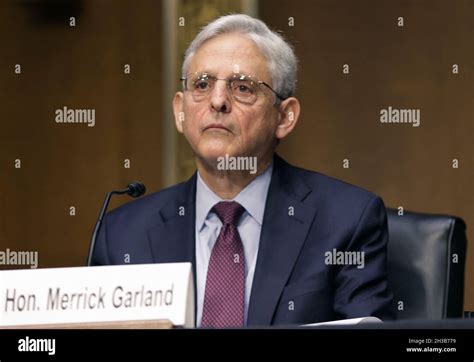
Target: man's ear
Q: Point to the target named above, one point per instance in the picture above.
(178, 111)
(289, 112)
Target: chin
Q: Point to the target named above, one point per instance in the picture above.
(210, 155)
(214, 148)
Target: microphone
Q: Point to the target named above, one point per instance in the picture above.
(133, 189)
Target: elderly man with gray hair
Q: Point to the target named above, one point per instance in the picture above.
(270, 244)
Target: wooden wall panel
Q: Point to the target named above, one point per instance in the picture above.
(66, 165)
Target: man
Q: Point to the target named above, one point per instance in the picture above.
(270, 243)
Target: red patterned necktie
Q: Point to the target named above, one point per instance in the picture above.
(225, 284)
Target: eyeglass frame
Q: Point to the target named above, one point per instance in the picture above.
(259, 82)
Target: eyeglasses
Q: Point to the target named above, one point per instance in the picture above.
(243, 88)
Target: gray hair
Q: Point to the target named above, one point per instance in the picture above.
(282, 61)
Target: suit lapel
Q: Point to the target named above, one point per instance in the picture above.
(281, 240)
(172, 239)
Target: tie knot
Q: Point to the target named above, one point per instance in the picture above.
(228, 211)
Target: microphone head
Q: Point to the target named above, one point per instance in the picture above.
(136, 189)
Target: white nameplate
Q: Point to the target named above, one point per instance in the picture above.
(98, 294)
(346, 322)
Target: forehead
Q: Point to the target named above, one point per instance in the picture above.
(227, 54)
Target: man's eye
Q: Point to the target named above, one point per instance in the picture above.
(201, 85)
(243, 88)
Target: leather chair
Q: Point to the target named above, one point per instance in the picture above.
(426, 257)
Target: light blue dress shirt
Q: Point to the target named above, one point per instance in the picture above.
(208, 226)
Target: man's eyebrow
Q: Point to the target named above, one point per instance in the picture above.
(203, 72)
(229, 74)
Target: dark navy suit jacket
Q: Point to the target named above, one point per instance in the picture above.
(306, 215)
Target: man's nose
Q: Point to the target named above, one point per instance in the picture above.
(220, 97)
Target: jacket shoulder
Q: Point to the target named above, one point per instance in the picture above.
(332, 193)
(147, 206)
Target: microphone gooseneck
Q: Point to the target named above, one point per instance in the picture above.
(133, 189)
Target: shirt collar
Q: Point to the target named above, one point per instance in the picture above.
(252, 198)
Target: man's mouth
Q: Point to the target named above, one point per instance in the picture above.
(216, 126)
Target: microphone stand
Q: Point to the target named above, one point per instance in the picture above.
(128, 190)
